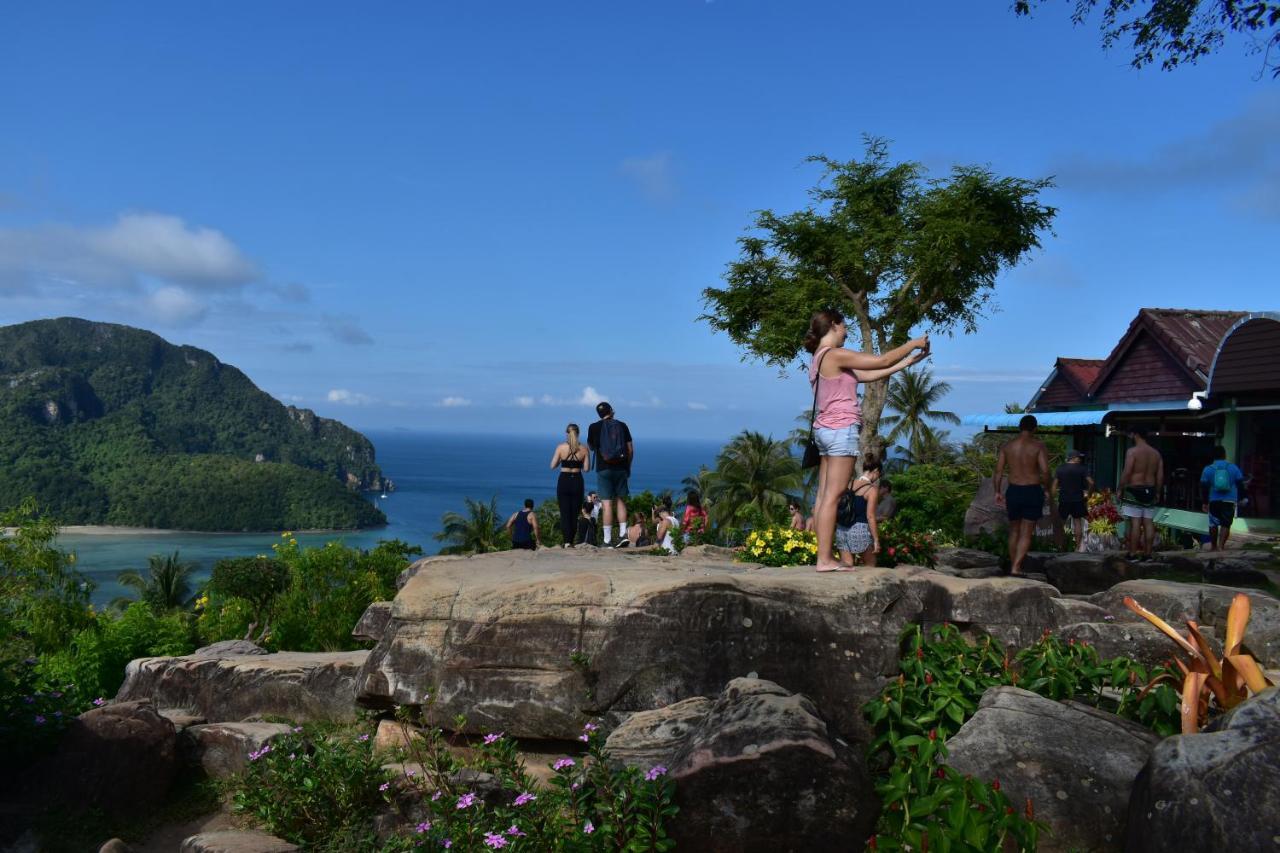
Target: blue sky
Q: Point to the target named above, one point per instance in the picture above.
(483, 216)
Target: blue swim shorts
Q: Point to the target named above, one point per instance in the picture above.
(611, 483)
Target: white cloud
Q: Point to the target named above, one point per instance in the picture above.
(454, 402)
(175, 306)
(167, 248)
(523, 402)
(698, 407)
(349, 398)
(590, 397)
(653, 175)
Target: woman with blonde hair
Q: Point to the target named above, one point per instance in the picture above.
(573, 460)
(834, 376)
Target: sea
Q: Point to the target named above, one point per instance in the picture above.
(433, 474)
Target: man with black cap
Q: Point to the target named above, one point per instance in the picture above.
(1072, 483)
(610, 440)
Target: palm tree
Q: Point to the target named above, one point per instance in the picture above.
(166, 585)
(477, 532)
(753, 470)
(931, 447)
(913, 397)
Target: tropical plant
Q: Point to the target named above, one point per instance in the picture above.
(913, 397)
(478, 532)
(753, 471)
(886, 245)
(256, 580)
(900, 545)
(166, 586)
(1210, 683)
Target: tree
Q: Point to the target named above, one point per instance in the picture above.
(753, 470)
(477, 532)
(913, 395)
(166, 585)
(889, 247)
(1180, 31)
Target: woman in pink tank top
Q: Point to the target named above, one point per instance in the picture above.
(835, 374)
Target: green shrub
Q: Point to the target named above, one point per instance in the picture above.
(934, 497)
(324, 592)
(943, 678)
(900, 544)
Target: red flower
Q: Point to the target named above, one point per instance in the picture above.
(995, 786)
(1030, 810)
(891, 551)
(933, 735)
(928, 678)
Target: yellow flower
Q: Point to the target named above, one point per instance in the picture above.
(293, 541)
(286, 534)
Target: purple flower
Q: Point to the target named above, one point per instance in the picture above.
(99, 702)
(590, 727)
(384, 786)
(423, 827)
(1108, 618)
(575, 786)
(466, 801)
(584, 737)
(293, 756)
(524, 798)
(514, 831)
(39, 720)
(562, 764)
(494, 840)
(362, 739)
(655, 772)
(256, 754)
(296, 729)
(436, 795)
(447, 843)
(493, 737)
(410, 773)
(588, 828)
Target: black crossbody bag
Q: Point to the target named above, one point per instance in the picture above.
(813, 456)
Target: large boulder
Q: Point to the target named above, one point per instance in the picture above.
(373, 622)
(223, 749)
(1087, 573)
(1205, 603)
(1214, 791)
(755, 770)
(964, 558)
(121, 758)
(1076, 764)
(296, 685)
(228, 649)
(984, 515)
(535, 643)
(236, 841)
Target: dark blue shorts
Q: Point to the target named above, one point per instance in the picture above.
(1024, 503)
(612, 483)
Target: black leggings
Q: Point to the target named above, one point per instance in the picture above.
(570, 492)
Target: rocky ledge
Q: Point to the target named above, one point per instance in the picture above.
(535, 643)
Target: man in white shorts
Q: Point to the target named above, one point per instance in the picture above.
(1140, 486)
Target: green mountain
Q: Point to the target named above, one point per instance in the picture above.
(107, 424)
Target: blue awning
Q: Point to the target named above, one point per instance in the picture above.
(1004, 420)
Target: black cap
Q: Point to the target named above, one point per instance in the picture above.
(603, 408)
(1075, 454)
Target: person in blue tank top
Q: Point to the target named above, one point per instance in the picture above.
(523, 527)
(1220, 483)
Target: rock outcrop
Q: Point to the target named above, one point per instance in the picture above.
(300, 686)
(1075, 763)
(236, 841)
(535, 643)
(121, 758)
(1214, 791)
(756, 769)
(223, 749)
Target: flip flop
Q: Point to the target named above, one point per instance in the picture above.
(832, 569)
(847, 569)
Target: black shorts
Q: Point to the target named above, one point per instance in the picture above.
(1024, 503)
(1068, 510)
(1223, 511)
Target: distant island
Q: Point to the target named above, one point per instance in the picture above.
(108, 424)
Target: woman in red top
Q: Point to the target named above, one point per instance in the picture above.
(695, 517)
(834, 375)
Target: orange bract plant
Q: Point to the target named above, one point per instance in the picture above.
(1227, 681)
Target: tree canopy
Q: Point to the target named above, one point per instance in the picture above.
(893, 249)
(1179, 32)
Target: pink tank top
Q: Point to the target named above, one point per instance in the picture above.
(837, 398)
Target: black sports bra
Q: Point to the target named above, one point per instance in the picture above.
(573, 463)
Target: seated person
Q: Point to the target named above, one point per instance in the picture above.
(586, 532)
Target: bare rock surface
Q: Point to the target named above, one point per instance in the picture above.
(228, 648)
(1205, 603)
(965, 558)
(373, 622)
(1214, 791)
(1075, 763)
(236, 841)
(121, 758)
(222, 749)
(299, 686)
(536, 643)
(649, 738)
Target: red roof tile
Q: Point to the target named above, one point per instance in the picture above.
(1191, 338)
(1080, 372)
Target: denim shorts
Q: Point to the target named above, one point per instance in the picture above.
(837, 442)
(611, 483)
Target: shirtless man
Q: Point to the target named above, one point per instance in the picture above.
(1140, 486)
(1028, 468)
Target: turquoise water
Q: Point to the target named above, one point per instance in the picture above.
(433, 473)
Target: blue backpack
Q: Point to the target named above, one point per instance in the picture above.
(613, 445)
(1222, 477)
